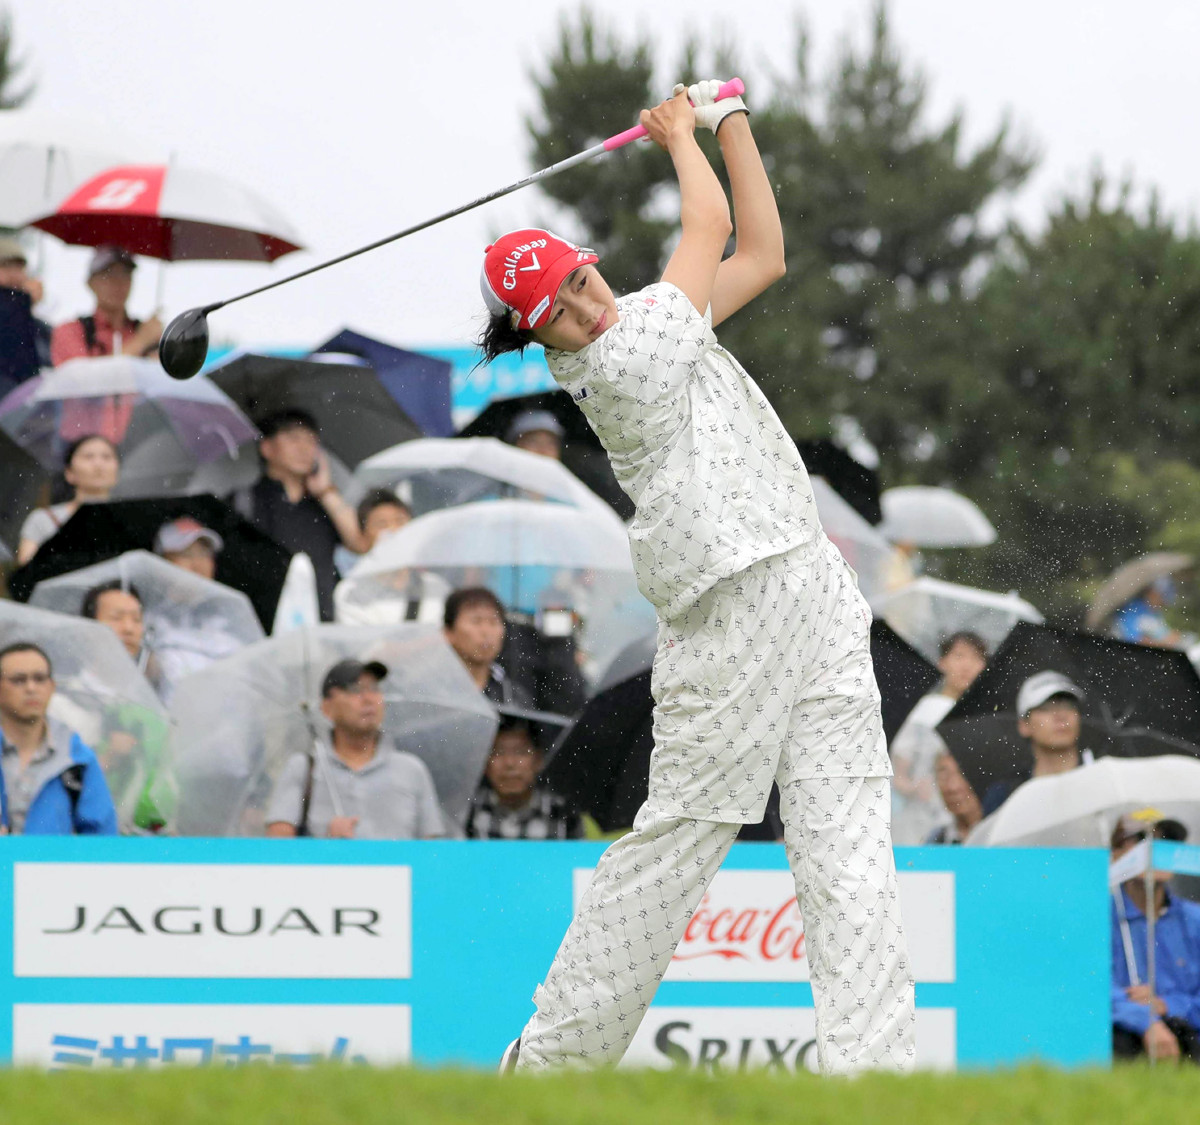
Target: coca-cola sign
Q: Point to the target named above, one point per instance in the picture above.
(748, 927)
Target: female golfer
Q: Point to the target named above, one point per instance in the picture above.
(763, 670)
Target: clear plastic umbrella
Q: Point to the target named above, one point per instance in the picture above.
(190, 621)
(236, 722)
(861, 544)
(926, 611)
(164, 427)
(442, 472)
(100, 694)
(537, 557)
(1081, 808)
(933, 517)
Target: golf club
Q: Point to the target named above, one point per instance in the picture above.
(184, 345)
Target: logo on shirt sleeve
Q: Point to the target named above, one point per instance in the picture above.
(581, 394)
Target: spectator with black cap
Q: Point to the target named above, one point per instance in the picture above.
(354, 783)
(510, 804)
(1049, 717)
(110, 330)
(296, 502)
(537, 431)
(24, 339)
(1162, 1024)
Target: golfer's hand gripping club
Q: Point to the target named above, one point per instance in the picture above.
(184, 345)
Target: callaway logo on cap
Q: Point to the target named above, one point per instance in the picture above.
(522, 272)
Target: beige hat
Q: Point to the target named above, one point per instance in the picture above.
(11, 250)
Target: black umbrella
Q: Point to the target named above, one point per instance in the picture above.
(356, 415)
(850, 479)
(1139, 701)
(24, 487)
(602, 764)
(582, 452)
(902, 673)
(251, 560)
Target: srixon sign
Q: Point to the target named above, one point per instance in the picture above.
(749, 928)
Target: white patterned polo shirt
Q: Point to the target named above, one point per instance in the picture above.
(694, 443)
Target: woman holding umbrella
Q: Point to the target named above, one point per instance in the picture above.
(92, 467)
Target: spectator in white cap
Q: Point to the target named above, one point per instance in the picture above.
(1049, 716)
(537, 431)
(110, 330)
(24, 340)
(186, 637)
(187, 543)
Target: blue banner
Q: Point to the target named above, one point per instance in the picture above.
(133, 952)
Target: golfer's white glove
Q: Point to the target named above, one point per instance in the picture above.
(710, 112)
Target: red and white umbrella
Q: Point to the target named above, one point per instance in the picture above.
(173, 213)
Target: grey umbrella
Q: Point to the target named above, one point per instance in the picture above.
(1131, 579)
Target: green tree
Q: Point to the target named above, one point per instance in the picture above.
(10, 67)
(879, 209)
(1076, 416)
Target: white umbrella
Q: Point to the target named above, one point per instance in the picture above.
(926, 611)
(190, 621)
(861, 544)
(503, 533)
(535, 556)
(933, 517)
(45, 156)
(447, 471)
(1080, 809)
(171, 212)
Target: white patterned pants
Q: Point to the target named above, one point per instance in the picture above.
(648, 885)
(768, 677)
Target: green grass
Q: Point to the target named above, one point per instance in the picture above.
(352, 1096)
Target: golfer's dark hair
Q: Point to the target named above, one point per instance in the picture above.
(378, 498)
(91, 600)
(80, 442)
(288, 419)
(499, 337)
(965, 637)
(467, 597)
(26, 646)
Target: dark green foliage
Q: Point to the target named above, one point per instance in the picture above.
(10, 67)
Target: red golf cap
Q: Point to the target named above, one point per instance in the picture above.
(523, 270)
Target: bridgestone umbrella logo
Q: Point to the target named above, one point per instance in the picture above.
(118, 194)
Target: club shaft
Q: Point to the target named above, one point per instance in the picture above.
(553, 169)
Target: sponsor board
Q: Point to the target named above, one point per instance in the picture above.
(748, 928)
(205, 920)
(71, 1036)
(763, 1038)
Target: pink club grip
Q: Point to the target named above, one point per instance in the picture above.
(734, 88)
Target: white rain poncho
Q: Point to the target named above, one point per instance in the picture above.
(190, 621)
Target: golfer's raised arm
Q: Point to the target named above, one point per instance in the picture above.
(704, 210)
(758, 259)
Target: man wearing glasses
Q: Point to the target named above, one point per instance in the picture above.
(50, 781)
(354, 783)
